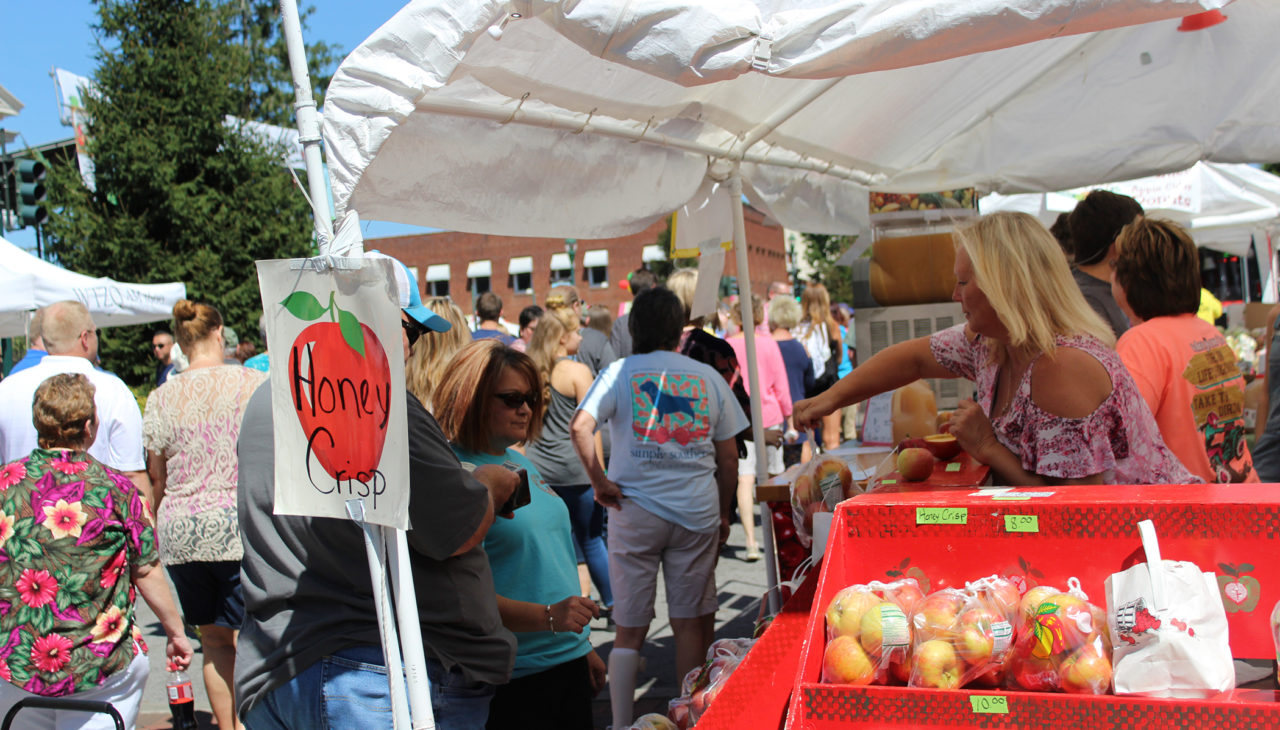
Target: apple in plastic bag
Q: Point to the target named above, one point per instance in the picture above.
(845, 662)
(936, 665)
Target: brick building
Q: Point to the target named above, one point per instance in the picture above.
(521, 270)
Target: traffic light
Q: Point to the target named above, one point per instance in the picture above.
(728, 286)
(31, 192)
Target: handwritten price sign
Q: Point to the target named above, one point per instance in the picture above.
(942, 515)
(1021, 523)
(989, 704)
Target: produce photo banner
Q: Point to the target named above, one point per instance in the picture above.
(337, 388)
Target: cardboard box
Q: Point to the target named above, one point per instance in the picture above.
(1082, 532)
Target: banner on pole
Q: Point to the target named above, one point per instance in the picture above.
(337, 388)
(705, 221)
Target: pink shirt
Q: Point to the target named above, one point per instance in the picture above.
(1119, 440)
(775, 401)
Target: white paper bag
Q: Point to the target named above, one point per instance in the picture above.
(1168, 627)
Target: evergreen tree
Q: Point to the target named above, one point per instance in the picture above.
(180, 195)
(266, 92)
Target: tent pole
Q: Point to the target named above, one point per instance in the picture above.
(606, 127)
(308, 126)
(753, 378)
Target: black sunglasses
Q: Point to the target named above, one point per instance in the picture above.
(413, 330)
(514, 400)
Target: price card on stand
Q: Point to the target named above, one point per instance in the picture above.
(942, 515)
(1021, 523)
(989, 704)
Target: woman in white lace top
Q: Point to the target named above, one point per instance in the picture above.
(190, 428)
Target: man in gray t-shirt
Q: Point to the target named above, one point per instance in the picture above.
(310, 643)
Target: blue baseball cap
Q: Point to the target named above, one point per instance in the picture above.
(410, 300)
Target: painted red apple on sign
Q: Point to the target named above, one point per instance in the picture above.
(1240, 591)
(340, 387)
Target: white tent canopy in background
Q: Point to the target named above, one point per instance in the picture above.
(434, 121)
(28, 282)
(1225, 207)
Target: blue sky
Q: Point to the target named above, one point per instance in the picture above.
(41, 35)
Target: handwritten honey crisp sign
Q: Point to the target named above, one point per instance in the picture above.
(337, 388)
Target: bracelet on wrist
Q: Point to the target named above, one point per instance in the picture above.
(551, 622)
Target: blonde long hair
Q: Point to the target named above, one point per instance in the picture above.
(1021, 269)
(434, 350)
(544, 347)
(816, 304)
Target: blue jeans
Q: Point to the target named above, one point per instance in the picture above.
(587, 518)
(348, 689)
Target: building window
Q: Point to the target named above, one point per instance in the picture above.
(595, 268)
(561, 268)
(478, 274)
(438, 280)
(520, 275)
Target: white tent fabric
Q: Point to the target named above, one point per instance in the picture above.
(28, 282)
(434, 121)
(1223, 205)
(1226, 207)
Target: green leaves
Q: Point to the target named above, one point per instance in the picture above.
(304, 306)
(351, 331)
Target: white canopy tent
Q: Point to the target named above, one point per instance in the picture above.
(434, 121)
(28, 282)
(1224, 206)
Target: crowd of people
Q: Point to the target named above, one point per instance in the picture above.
(556, 467)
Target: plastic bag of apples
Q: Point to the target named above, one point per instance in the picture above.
(702, 684)
(1062, 644)
(869, 633)
(964, 637)
(822, 484)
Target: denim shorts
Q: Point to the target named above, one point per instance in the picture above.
(348, 689)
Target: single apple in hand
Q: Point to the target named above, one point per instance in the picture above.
(915, 465)
(936, 665)
(1086, 671)
(844, 662)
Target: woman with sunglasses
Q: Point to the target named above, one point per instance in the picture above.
(565, 384)
(489, 400)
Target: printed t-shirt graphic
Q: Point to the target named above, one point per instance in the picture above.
(1218, 406)
(670, 406)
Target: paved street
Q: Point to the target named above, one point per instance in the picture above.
(740, 586)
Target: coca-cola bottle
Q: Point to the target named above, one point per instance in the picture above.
(182, 699)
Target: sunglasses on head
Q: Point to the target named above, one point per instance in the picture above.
(514, 400)
(413, 330)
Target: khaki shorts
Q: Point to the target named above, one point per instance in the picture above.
(640, 541)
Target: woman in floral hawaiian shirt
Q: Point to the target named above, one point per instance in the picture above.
(69, 528)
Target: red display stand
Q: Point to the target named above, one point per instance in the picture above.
(946, 537)
(758, 691)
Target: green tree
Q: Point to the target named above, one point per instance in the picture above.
(266, 89)
(821, 254)
(180, 196)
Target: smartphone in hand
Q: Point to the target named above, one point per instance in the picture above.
(521, 496)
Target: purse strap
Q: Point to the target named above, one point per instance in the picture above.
(1155, 565)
